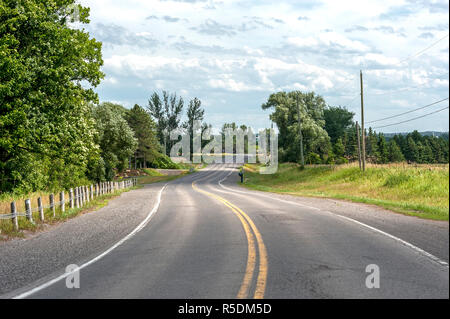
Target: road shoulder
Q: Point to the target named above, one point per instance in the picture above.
(24, 261)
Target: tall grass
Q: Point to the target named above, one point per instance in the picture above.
(418, 190)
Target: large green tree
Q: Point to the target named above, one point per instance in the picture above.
(337, 120)
(144, 129)
(47, 73)
(167, 113)
(115, 137)
(285, 115)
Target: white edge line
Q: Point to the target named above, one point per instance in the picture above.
(134, 232)
(405, 243)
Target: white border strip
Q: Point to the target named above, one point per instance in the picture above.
(134, 232)
(403, 242)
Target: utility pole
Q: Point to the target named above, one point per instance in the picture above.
(359, 145)
(302, 160)
(362, 124)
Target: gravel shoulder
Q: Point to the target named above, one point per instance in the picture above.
(429, 235)
(36, 259)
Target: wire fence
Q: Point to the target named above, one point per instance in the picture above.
(78, 197)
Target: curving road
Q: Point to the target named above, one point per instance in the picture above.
(210, 238)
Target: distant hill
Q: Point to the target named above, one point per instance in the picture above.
(427, 133)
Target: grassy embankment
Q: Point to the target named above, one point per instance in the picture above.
(417, 190)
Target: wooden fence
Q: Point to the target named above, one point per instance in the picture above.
(78, 197)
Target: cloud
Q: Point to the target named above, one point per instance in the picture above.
(426, 35)
(170, 19)
(437, 27)
(116, 35)
(357, 28)
(329, 41)
(414, 6)
(191, 48)
(212, 27)
(165, 18)
(390, 30)
(302, 18)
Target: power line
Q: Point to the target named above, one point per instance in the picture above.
(420, 108)
(413, 119)
(422, 51)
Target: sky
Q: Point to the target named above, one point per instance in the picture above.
(232, 54)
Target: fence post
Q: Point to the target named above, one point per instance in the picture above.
(52, 204)
(41, 209)
(63, 204)
(28, 211)
(15, 221)
(92, 191)
(77, 202)
(71, 198)
(88, 195)
(81, 196)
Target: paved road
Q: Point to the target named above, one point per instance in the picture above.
(211, 239)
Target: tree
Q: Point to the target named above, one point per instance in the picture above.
(285, 115)
(395, 153)
(427, 152)
(383, 150)
(47, 72)
(156, 110)
(411, 151)
(167, 114)
(350, 141)
(337, 120)
(372, 146)
(145, 132)
(339, 151)
(116, 139)
(194, 113)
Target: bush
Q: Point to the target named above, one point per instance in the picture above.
(313, 158)
(164, 162)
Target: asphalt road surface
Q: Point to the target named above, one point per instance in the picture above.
(209, 238)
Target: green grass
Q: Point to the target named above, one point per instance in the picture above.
(6, 227)
(417, 190)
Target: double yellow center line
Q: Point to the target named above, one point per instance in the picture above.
(251, 233)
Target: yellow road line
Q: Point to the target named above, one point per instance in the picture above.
(248, 224)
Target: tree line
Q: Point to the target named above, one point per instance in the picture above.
(330, 135)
